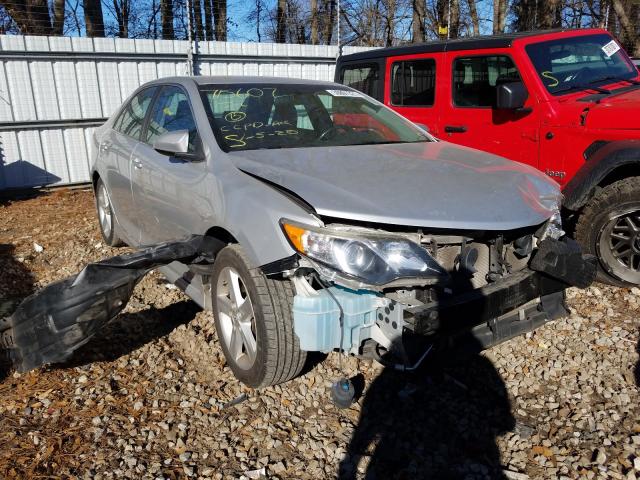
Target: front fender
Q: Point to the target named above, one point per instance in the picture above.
(598, 165)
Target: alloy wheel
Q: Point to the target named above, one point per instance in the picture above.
(619, 245)
(104, 211)
(236, 318)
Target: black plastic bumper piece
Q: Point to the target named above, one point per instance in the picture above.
(556, 265)
(563, 259)
(50, 325)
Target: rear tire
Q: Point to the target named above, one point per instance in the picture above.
(106, 218)
(609, 227)
(254, 320)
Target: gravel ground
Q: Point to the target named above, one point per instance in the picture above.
(148, 397)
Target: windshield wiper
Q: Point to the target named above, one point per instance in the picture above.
(583, 86)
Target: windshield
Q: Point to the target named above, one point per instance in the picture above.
(255, 116)
(569, 64)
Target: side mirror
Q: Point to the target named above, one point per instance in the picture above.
(511, 96)
(173, 143)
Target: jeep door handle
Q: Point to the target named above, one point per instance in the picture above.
(455, 128)
(137, 163)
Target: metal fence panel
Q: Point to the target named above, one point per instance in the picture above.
(55, 90)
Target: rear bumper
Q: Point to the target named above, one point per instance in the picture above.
(512, 306)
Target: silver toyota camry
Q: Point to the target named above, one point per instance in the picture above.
(343, 226)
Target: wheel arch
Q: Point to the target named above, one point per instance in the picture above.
(608, 164)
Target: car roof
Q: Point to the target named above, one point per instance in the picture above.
(236, 79)
(464, 43)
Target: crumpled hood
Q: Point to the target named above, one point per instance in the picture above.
(618, 112)
(430, 184)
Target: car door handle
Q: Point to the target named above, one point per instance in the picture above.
(455, 128)
(137, 163)
(105, 146)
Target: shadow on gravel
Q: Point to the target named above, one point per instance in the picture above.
(440, 423)
(16, 283)
(130, 331)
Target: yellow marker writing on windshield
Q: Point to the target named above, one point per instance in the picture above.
(549, 75)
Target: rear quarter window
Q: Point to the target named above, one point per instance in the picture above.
(364, 78)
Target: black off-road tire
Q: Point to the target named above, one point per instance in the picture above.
(279, 357)
(595, 220)
(110, 237)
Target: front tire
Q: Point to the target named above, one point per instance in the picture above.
(609, 227)
(254, 320)
(106, 217)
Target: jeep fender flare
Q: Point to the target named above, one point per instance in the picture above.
(601, 163)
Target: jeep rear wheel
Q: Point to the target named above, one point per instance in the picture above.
(254, 320)
(609, 227)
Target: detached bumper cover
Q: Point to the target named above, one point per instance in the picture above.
(50, 325)
(557, 264)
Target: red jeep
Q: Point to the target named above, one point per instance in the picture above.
(566, 102)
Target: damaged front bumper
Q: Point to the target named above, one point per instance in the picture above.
(515, 304)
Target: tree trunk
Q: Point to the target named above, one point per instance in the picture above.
(418, 21)
(314, 22)
(93, 18)
(330, 15)
(391, 24)
(122, 9)
(208, 20)
(58, 17)
(630, 37)
(281, 21)
(32, 16)
(473, 13)
(454, 14)
(166, 12)
(197, 19)
(220, 18)
(499, 16)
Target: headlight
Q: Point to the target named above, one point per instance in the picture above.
(373, 258)
(553, 227)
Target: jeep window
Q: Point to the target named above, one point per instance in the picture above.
(361, 77)
(475, 79)
(256, 116)
(131, 118)
(569, 64)
(413, 83)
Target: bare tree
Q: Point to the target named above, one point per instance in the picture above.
(93, 19)
(166, 13)
(473, 13)
(628, 17)
(121, 11)
(499, 16)
(208, 20)
(418, 21)
(329, 19)
(314, 22)
(197, 19)
(281, 21)
(31, 16)
(220, 18)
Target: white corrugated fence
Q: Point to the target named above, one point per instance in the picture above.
(55, 90)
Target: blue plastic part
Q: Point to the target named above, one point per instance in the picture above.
(316, 318)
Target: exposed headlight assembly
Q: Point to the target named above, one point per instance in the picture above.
(553, 227)
(372, 258)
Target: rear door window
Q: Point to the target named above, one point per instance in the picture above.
(475, 79)
(413, 83)
(131, 118)
(362, 77)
